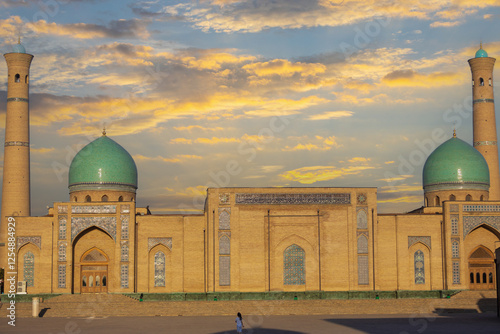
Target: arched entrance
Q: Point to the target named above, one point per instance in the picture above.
(481, 270)
(94, 272)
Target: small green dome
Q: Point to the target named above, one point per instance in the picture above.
(101, 165)
(18, 48)
(481, 53)
(456, 165)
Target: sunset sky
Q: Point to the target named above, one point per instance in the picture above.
(281, 93)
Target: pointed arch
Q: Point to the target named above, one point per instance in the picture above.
(224, 245)
(362, 219)
(468, 197)
(94, 254)
(419, 263)
(104, 198)
(362, 244)
(294, 265)
(159, 268)
(453, 197)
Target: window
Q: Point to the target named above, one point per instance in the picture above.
(437, 201)
(17, 78)
(426, 201)
(120, 199)
(363, 270)
(84, 281)
(481, 82)
(294, 262)
(29, 269)
(452, 198)
(74, 199)
(160, 269)
(362, 219)
(419, 267)
(490, 82)
(471, 277)
(88, 199)
(26, 79)
(468, 198)
(482, 198)
(224, 246)
(224, 220)
(362, 245)
(454, 249)
(104, 198)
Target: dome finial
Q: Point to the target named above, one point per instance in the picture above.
(454, 133)
(481, 44)
(104, 131)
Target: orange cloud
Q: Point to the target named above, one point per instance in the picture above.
(411, 78)
(284, 68)
(309, 175)
(331, 115)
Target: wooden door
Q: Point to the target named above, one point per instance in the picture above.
(94, 279)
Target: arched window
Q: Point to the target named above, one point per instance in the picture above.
(62, 252)
(84, 280)
(224, 246)
(104, 198)
(91, 281)
(471, 277)
(419, 267)
(437, 202)
(482, 198)
(88, 199)
(120, 199)
(454, 249)
(452, 198)
(294, 266)
(75, 199)
(26, 79)
(159, 269)
(490, 82)
(97, 281)
(131, 199)
(484, 277)
(478, 278)
(104, 280)
(481, 82)
(124, 253)
(426, 201)
(17, 78)
(362, 219)
(362, 245)
(490, 277)
(29, 269)
(468, 198)
(224, 220)
(472, 82)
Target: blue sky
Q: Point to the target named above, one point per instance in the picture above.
(257, 93)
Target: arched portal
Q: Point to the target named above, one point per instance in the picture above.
(481, 270)
(94, 271)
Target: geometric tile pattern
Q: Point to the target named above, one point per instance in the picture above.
(456, 272)
(159, 269)
(224, 198)
(167, 242)
(62, 209)
(62, 227)
(419, 267)
(471, 222)
(455, 252)
(362, 219)
(454, 224)
(93, 209)
(79, 224)
(29, 268)
(62, 251)
(224, 246)
(62, 276)
(481, 208)
(124, 276)
(362, 245)
(224, 270)
(363, 270)
(124, 251)
(224, 218)
(124, 219)
(294, 266)
(453, 207)
(294, 199)
(361, 199)
(21, 241)
(125, 208)
(414, 239)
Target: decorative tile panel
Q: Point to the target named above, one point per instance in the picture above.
(224, 219)
(413, 240)
(294, 266)
(362, 218)
(471, 222)
(62, 251)
(160, 269)
(35, 240)
(454, 224)
(294, 199)
(62, 209)
(419, 262)
(62, 276)
(124, 220)
(29, 269)
(456, 272)
(359, 233)
(125, 208)
(167, 242)
(481, 208)
(124, 251)
(224, 246)
(453, 207)
(93, 209)
(361, 199)
(362, 245)
(224, 198)
(363, 270)
(224, 270)
(455, 248)
(124, 276)
(62, 227)
(79, 224)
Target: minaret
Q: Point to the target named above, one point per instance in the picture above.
(485, 130)
(16, 164)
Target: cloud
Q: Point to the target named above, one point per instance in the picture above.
(410, 78)
(402, 199)
(331, 115)
(445, 24)
(178, 158)
(284, 68)
(318, 143)
(312, 174)
(197, 128)
(359, 159)
(42, 150)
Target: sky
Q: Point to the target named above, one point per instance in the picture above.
(261, 93)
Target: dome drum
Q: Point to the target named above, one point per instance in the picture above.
(102, 186)
(456, 185)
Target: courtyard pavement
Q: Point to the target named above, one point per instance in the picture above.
(400, 324)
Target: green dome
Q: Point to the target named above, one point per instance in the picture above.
(18, 48)
(456, 165)
(101, 165)
(481, 53)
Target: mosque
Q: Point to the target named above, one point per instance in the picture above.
(251, 239)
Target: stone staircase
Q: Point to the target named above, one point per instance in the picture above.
(116, 305)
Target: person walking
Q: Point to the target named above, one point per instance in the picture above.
(239, 323)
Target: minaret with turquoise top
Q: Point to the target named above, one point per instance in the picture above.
(484, 124)
(16, 164)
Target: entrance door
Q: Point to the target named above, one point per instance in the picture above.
(94, 272)
(481, 270)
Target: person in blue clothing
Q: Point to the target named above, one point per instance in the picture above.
(239, 323)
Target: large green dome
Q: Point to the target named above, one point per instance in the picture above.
(456, 165)
(101, 165)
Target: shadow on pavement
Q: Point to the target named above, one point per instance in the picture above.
(261, 331)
